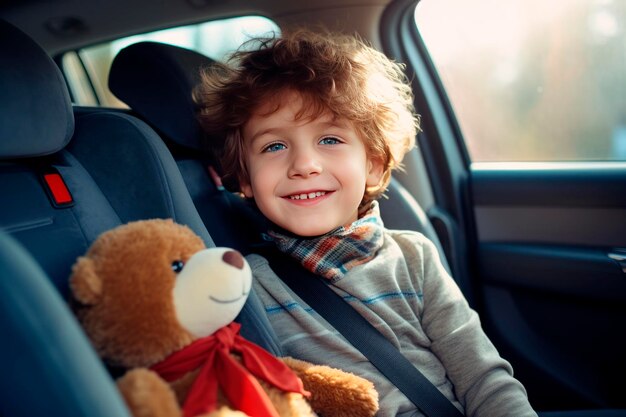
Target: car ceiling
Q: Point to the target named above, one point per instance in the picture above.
(59, 25)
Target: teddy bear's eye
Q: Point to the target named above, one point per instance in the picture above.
(177, 266)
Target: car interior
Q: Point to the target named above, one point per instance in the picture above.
(69, 172)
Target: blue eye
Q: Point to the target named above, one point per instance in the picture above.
(329, 140)
(274, 147)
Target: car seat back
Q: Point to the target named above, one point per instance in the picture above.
(47, 363)
(174, 118)
(107, 168)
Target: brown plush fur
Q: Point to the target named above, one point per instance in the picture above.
(123, 295)
(329, 387)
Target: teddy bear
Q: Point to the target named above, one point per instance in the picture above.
(157, 303)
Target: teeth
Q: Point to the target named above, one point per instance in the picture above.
(307, 196)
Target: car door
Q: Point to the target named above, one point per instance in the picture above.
(524, 142)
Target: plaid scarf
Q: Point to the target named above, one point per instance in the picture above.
(333, 254)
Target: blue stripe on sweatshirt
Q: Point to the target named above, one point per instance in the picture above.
(349, 298)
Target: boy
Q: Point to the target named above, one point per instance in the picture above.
(315, 123)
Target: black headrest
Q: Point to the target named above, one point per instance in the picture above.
(156, 80)
(35, 109)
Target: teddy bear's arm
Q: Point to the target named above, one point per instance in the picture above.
(335, 392)
(147, 395)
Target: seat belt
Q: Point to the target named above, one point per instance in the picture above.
(363, 336)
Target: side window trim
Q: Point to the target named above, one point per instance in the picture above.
(440, 142)
(78, 79)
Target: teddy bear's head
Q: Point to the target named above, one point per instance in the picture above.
(149, 288)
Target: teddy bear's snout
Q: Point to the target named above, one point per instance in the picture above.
(234, 258)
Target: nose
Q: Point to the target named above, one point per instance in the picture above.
(234, 258)
(304, 164)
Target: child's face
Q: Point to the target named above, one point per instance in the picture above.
(308, 176)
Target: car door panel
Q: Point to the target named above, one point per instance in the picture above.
(540, 242)
(553, 288)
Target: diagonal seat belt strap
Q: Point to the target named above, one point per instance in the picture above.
(363, 336)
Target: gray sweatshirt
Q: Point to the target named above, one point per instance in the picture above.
(407, 295)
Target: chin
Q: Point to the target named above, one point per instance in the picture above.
(312, 231)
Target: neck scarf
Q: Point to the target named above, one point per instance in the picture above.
(218, 368)
(332, 255)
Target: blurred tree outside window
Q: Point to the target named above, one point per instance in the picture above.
(532, 80)
(215, 39)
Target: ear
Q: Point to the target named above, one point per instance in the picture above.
(84, 282)
(246, 189)
(375, 169)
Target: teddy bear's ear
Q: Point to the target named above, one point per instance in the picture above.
(84, 282)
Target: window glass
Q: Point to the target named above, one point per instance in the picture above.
(216, 39)
(532, 80)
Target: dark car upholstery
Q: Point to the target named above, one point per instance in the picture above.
(164, 100)
(114, 166)
(48, 365)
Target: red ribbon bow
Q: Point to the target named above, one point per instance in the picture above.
(219, 368)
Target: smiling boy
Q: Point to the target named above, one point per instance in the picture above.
(306, 176)
(315, 123)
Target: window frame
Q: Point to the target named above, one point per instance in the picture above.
(94, 89)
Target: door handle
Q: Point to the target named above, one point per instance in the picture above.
(619, 255)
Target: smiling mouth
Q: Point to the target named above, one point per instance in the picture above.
(307, 196)
(232, 300)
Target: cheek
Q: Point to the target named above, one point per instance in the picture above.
(355, 167)
(262, 178)
(353, 178)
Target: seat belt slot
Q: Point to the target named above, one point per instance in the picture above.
(57, 190)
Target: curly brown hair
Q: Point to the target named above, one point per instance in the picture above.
(333, 73)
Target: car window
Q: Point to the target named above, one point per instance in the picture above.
(87, 69)
(532, 80)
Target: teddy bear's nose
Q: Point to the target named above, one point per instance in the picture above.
(234, 258)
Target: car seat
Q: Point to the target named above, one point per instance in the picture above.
(67, 175)
(164, 100)
(47, 363)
